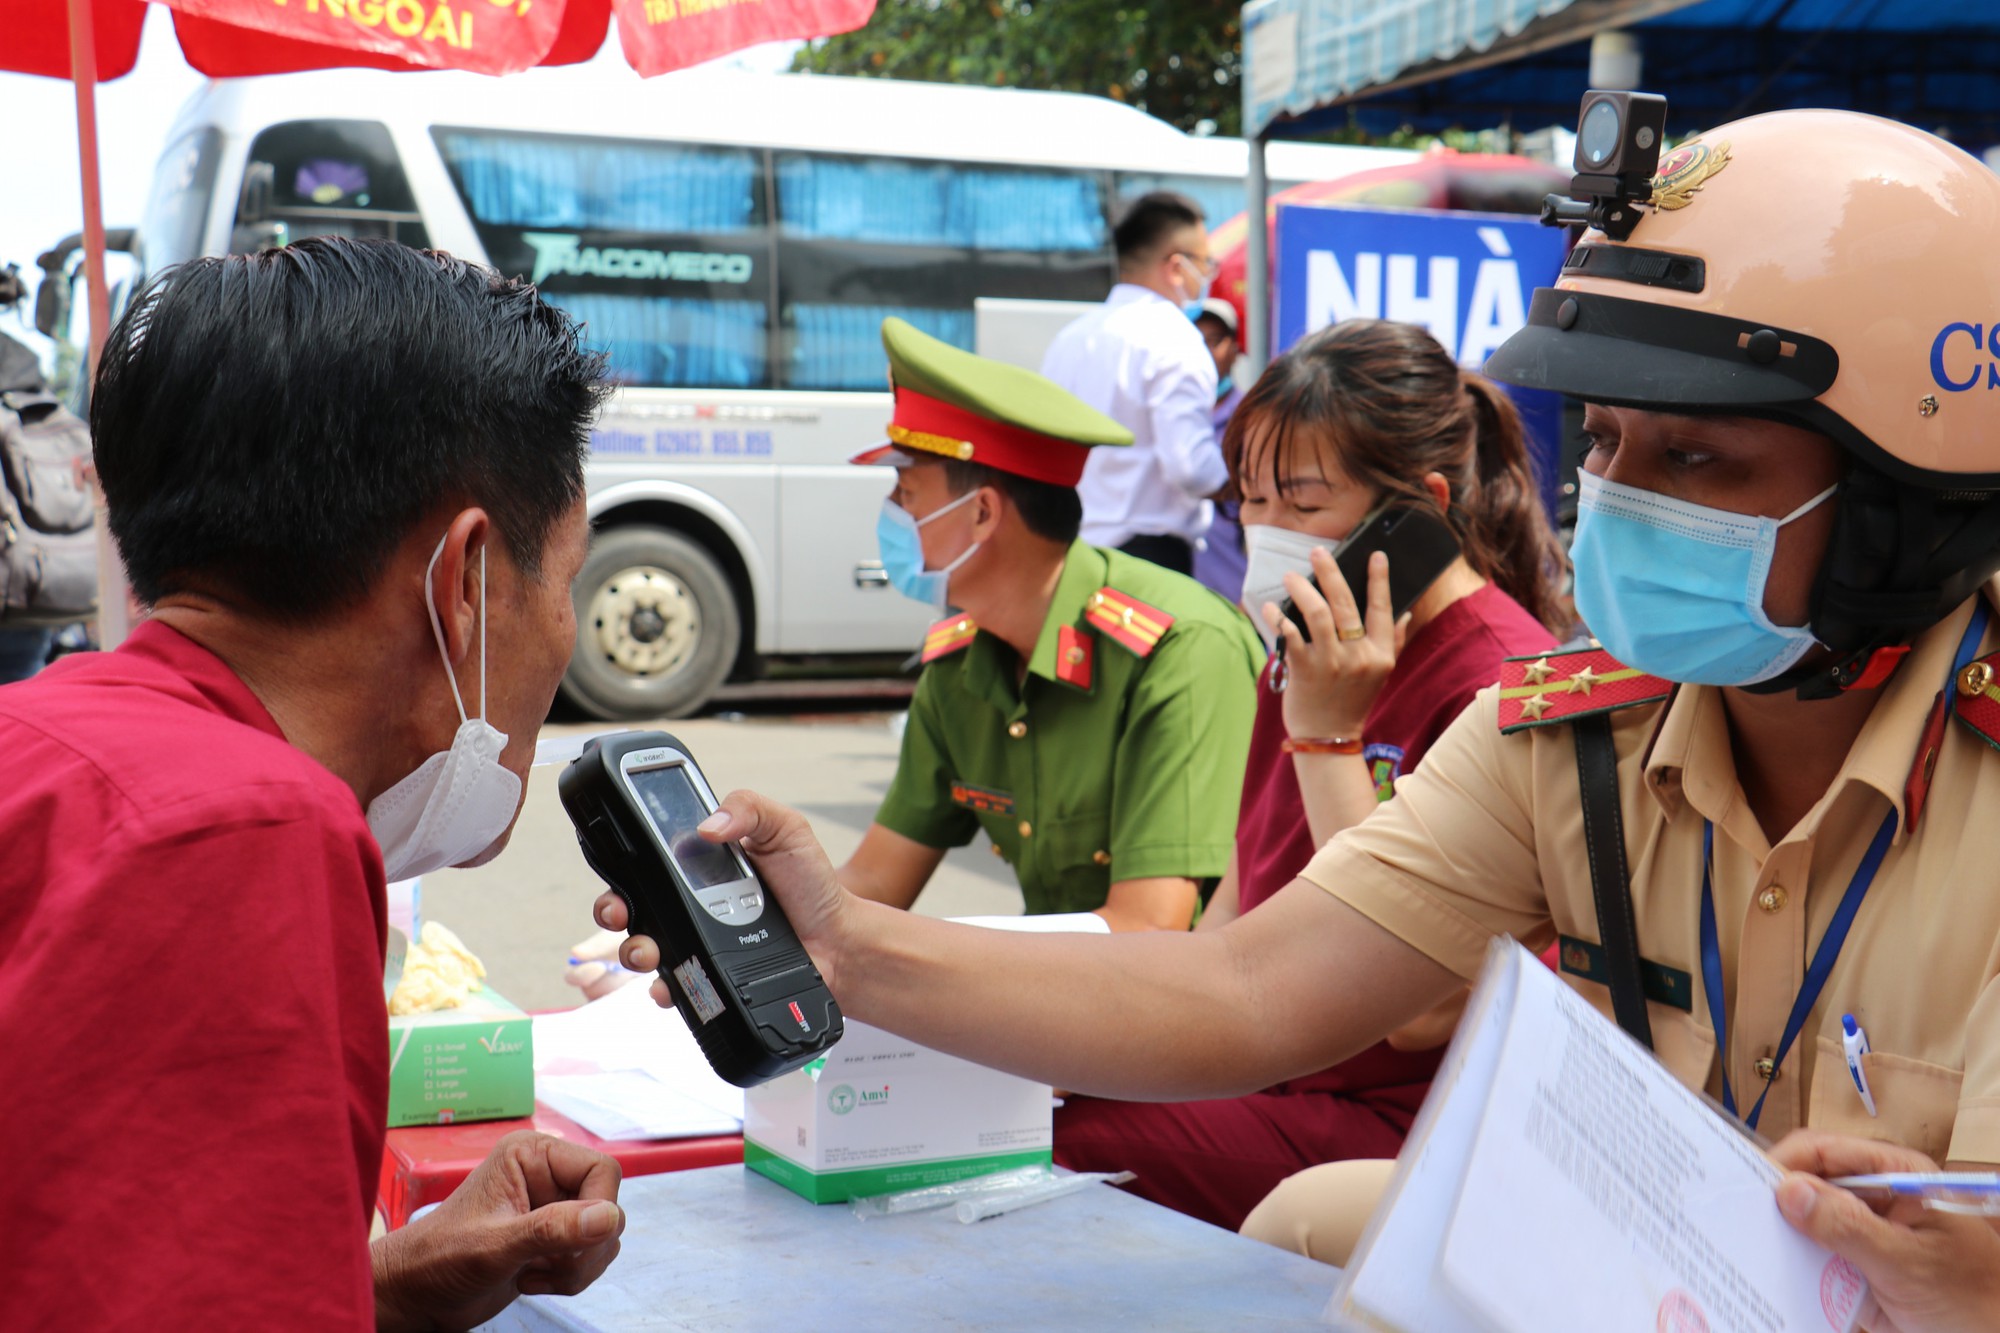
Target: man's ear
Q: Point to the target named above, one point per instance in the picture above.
(986, 512)
(456, 580)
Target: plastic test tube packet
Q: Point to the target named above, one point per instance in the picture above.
(1006, 1201)
(944, 1196)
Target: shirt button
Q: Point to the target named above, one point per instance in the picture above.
(1027, 829)
(1772, 899)
(996, 850)
(1101, 858)
(1017, 729)
(1767, 1069)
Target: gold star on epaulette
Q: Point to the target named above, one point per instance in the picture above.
(1537, 671)
(1533, 708)
(1581, 682)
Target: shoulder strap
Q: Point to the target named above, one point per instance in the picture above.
(1610, 885)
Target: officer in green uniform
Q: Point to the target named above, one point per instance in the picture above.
(1091, 711)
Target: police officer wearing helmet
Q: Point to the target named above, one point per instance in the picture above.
(1786, 545)
(1088, 710)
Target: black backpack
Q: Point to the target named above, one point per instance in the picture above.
(48, 552)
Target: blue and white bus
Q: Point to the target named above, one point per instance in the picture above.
(734, 242)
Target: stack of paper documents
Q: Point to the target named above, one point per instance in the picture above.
(624, 1068)
(1560, 1180)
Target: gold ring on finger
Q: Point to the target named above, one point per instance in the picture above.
(1349, 633)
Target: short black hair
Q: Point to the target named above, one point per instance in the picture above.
(272, 426)
(1149, 220)
(1053, 513)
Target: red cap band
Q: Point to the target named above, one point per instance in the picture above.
(995, 444)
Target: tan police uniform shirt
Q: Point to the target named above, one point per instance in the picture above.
(1487, 837)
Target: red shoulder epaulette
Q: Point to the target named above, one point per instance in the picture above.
(1572, 683)
(1126, 619)
(1976, 697)
(948, 636)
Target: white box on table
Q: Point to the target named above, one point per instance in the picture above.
(879, 1113)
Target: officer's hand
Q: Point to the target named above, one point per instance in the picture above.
(1332, 682)
(1931, 1272)
(792, 865)
(538, 1216)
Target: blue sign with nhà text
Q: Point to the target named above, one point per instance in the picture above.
(1466, 277)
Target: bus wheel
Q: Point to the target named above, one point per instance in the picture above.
(657, 628)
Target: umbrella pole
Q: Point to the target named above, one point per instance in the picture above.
(112, 617)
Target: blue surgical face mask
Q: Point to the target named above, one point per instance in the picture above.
(903, 552)
(1677, 589)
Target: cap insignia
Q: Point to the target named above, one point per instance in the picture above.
(1683, 171)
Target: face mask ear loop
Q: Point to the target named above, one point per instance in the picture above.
(1809, 505)
(437, 628)
(482, 633)
(940, 513)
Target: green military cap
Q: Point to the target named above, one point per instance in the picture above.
(953, 404)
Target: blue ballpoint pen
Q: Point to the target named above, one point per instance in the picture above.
(1855, 1042)
(1975, 1192)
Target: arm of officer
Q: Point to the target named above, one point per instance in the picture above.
(1301, 983)
(889, 868)
(1224, 904)
(1313, 976)
(1177, 776)
(917, 820)
(1160, 902)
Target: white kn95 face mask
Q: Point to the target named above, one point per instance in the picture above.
(453, 809)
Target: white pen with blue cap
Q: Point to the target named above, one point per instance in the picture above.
(1976, 1192)
(1855, 1042)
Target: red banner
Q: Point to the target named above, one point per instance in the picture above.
(486, 36)
(662, 35)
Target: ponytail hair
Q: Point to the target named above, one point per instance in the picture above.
(1502, 517)
(1389, 406)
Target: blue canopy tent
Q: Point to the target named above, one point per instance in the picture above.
(1435, 64)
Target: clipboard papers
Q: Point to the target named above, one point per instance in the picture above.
(1559, 1180)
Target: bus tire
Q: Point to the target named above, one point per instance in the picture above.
(657, 627)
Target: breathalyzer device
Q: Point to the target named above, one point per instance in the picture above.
(739, 975)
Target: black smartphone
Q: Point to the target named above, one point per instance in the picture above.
(1420, 546)
(739, 975)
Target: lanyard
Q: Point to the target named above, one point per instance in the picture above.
(1830, 943)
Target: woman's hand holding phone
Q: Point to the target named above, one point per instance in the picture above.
(1332, 681)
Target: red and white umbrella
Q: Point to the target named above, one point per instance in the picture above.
(92, 41)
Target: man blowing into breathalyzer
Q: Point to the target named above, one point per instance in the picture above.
(336, 473)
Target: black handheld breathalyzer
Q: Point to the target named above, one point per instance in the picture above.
(739, 975)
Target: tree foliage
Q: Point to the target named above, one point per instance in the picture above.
(1179, 60)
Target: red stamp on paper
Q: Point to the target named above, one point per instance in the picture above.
(1841, 1287)
(1679, 1314)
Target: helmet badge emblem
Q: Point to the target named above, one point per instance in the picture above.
(1683, 172)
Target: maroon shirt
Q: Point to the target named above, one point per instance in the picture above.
(194, 1072)
(1443, 665)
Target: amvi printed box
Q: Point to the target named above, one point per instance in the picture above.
(878, 1113)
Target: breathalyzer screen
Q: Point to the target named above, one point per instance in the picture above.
(670, 798)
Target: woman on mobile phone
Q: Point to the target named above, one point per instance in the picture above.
(1359, 416)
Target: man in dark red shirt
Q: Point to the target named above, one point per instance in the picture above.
(335, 472)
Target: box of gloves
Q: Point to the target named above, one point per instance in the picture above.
(879, 1113)
(458, 1050)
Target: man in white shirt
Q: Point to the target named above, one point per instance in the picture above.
(1141, 361)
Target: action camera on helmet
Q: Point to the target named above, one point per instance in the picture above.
(1618, 140)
